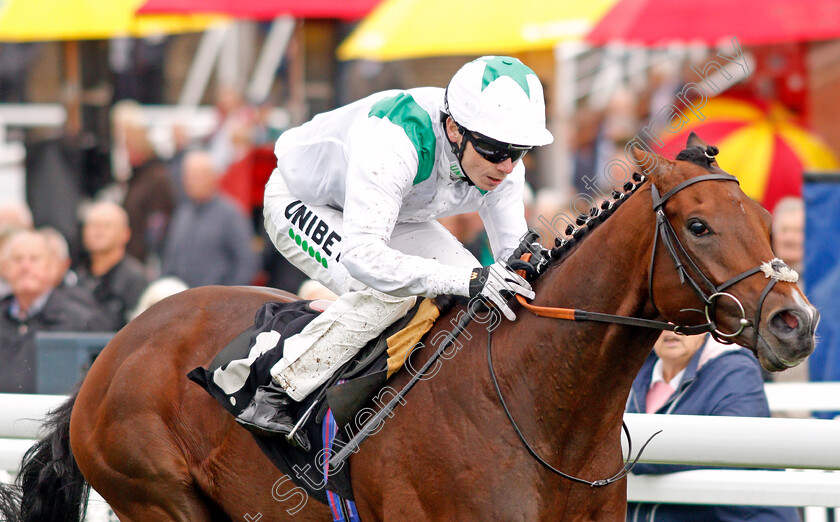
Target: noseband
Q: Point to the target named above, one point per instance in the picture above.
(774, 270)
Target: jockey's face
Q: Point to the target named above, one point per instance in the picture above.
(485, 174)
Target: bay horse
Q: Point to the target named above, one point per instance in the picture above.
(157, 447)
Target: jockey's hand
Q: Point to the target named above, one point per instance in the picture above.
(497, 283)
(539, 260)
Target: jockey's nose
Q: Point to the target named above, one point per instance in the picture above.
(505, 166)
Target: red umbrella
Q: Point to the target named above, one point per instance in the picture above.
(265, 9)
(752, 22)
(760, 144)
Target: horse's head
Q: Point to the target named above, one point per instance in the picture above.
(712, 261)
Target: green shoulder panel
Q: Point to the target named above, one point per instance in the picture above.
(403, 111)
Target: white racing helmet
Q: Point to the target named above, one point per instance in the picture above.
(501, 98)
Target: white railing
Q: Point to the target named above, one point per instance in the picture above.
(738, 487)
(737, 441)
(806, 444)
(803, 397)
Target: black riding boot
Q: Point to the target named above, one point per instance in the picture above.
(269, 414)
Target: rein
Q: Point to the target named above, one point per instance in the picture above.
(775, 270)
(627, 468)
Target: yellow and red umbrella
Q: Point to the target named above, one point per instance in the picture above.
(760, 143)
(402, 29)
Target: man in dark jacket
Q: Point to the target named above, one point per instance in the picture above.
(209, 240)
(696, 375)
(115, 279)
(34, 305)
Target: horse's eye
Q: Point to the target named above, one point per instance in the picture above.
(698, 228)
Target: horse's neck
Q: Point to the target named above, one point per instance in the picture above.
(580, 372)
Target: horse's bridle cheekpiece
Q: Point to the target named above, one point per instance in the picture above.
(774, 270)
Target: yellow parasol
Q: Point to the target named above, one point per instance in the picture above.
(399, 29)
(41, 20)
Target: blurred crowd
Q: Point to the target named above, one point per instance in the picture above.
(161, 226)
(193, 217)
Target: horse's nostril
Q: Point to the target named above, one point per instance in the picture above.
(785, 321)
(790, 320)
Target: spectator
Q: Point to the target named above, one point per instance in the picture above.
(115, 279)
(788, 235)
(788, 241)
(149, 199)
(232, 138)
(60, 253)
(14, 216)
(210, 239)
(696, 375)
(181, 143)
(35, 305)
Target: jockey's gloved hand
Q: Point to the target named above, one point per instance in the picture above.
(497, 283)
(538, 261)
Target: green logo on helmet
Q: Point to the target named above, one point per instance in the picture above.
(499, 66)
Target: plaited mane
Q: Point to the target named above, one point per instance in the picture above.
(586, 223)
(701, 156)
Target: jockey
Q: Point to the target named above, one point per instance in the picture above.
(354, 199)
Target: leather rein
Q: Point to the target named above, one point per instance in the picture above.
(666, 232)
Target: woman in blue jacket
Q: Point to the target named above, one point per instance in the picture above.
(696, 375)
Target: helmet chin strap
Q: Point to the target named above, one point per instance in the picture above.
(458, 150)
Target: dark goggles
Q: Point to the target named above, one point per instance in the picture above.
(494, 151)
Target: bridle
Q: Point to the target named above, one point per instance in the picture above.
(712, 293)
(774, 270)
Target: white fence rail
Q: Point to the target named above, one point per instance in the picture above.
(808, 444)
(738, 487)
(737, 441)
(792, 397)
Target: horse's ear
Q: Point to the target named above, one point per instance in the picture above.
(695, 141)
(652, 164)
(645, 158)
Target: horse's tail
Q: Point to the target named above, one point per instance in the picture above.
(50, 487)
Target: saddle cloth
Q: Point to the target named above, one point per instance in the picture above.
(243, 365)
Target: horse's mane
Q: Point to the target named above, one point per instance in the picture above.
(586, 223)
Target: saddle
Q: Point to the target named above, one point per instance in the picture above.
(243, 365)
